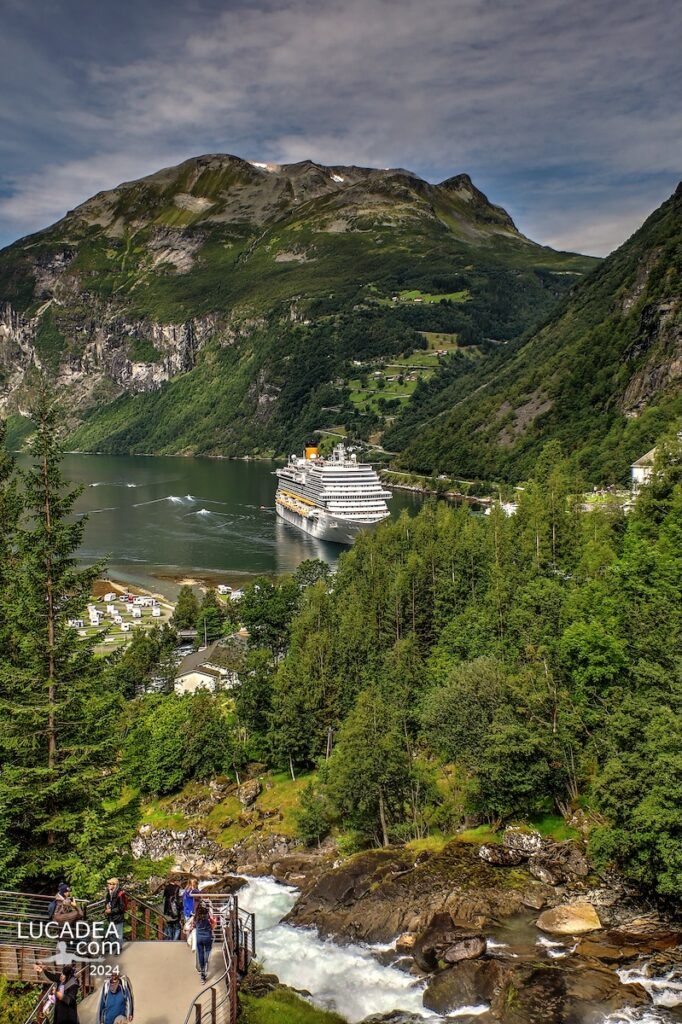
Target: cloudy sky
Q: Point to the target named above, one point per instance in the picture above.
(566, 113)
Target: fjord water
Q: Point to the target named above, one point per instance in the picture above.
(158, 519)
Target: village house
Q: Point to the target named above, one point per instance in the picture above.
(642, 469)
(199, 671)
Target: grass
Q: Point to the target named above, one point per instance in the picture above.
(411, 295)
(283, 1007)
(228, 822)
(552, 826)
(482, 834)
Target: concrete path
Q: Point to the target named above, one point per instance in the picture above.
(164, 980)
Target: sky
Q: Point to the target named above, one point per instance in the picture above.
(568, 114)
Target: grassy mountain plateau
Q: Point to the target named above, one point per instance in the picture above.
(225, 307)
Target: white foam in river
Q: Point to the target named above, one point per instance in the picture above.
(347, 979)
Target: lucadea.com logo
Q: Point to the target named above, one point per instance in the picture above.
(79, 942)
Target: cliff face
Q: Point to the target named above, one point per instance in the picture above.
(224, 278)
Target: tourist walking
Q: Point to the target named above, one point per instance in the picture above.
(116, 1000)
(188, 897)
(203, 926)
(172, 911)
(115, 906)
(65, 993)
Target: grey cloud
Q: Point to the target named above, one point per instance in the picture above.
(522, 95)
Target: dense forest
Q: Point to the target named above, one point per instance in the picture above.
(455, 668)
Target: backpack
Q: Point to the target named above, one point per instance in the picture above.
(51, 907)
(123, 900)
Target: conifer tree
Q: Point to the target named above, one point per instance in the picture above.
(59, 720)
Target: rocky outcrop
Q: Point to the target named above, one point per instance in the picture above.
(501, 856)
(637, 938)
(444, 942)
(469, 984)
(99, 349)
(570, 919)
(375, 896)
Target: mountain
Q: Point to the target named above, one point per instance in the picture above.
(603, 375)
(229, 307)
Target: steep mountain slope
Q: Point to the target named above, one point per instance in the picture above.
(223, 307)
(603, 375)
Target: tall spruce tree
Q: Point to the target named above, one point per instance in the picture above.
(59, 712)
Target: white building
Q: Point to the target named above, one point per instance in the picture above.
(199, 672)
(642, 470)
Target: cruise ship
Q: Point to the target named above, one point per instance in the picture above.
(330, 498)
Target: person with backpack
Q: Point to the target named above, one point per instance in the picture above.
(63, 893)
(116, 1000)
(203, 926)
(65, 993)
(115, 906)
(172, 911)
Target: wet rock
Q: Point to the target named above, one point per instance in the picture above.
(630, 941)
(565, 994)
(393, 1017)
(534, 899)
(501, 856)
(470, 983)
(226, 884)
(570, 919)
(405, 942)
(249, 792)
(441, 937)
(524, 840)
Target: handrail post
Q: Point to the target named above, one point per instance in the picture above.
(197, 1013)
(133, 920)
(214, 1014)
(147, 923)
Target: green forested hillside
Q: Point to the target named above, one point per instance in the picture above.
(224, 307)
(523, 668)
(603, 375)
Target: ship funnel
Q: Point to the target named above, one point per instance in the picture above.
(311, 453)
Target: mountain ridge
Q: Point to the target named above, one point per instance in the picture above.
(261, 287)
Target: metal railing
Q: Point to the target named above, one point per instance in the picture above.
(43, 1011)
(143, 921)
(20, 952)
(217, 1002)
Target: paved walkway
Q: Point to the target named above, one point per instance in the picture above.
(164, 980)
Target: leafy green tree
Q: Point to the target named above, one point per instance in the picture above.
(370, 770)
(266, 609)
(186, 609)
(210, 619)
(172, 739)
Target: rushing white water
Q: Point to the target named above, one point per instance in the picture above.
(665, 990)
(348, 979)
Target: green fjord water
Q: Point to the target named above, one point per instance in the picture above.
(157, 520)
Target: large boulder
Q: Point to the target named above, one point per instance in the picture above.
(570, 919)
(443, 942)
(630, 941)
(523, 840)
(544, 873)
(249, 792)
(567, 993)
(470, 983)
(501, 856)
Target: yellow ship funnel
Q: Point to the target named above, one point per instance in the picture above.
(311, 453)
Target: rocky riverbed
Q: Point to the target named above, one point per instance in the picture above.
(518, 932)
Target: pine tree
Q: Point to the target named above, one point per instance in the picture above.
(58, 718)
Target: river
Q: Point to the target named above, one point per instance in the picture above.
(351, 980)
(157, 520)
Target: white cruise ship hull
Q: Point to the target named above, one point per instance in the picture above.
(325, 526)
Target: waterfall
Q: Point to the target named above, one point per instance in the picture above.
(347, 979)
